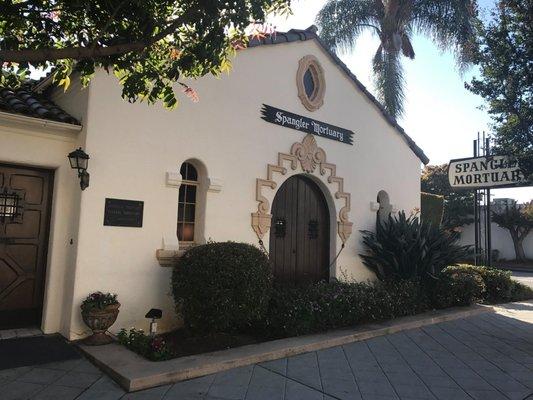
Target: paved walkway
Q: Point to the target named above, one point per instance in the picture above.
(486, 357)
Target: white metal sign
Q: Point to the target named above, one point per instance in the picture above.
(485, 172)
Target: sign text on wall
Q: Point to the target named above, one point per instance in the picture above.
(300, 123)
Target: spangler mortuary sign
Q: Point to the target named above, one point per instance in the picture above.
(300, 123)
(485, 172)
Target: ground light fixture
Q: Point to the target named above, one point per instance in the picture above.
(79, 160)
(154, 314)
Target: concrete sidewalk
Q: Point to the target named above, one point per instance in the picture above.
(134, 373)
(488, 356)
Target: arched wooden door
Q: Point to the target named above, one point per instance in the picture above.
(299, 235)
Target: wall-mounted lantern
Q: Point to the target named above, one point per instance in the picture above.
(79, 160)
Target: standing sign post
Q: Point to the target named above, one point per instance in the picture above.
(481, 173)
(488, 229)
(476, 219)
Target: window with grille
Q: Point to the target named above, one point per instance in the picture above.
(10, 205)
(187, 202)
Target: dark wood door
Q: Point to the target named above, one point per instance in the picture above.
(299, 236)
(23, 243)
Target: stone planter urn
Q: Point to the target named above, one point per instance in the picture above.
(99, 320)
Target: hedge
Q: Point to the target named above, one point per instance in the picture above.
(499, 286)
(222, 287)
(322, 306)
(458, 287)
(228, 288)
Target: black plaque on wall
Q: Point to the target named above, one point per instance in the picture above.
(123, 213)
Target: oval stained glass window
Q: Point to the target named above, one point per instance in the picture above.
(309, 83)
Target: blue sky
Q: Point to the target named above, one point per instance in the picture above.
(440, 114)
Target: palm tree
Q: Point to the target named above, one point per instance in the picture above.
(449, 23)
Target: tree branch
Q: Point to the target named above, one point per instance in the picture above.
(524, 233)
(80, 53)
(108, 23)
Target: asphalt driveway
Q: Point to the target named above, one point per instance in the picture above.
(489, 356)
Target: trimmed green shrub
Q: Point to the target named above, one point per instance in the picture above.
(458, 286)
(407, 248)
(315, 308)
(400, 298)
(499, 286)
(520, 292)
(431, 208)
(222, 287)
(498, 283)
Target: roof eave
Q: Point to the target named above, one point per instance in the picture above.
(39, 122)
(44, 83)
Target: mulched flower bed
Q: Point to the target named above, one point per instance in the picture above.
(183, 343)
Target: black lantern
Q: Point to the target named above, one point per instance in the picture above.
(153, 314)
(79, 160)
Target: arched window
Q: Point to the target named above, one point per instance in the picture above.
(187, 202)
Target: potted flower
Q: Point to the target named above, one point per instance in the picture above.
(99, 311)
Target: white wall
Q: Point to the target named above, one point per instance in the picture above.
(501, 240)
(132, 146)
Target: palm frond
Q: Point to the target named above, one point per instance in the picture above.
(378, 57)
(389, 81)
(407, 47)
(342, 21)
(450, 24)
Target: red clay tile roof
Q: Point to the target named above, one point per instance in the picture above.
(25, 102)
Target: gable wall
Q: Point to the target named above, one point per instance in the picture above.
(132, 146)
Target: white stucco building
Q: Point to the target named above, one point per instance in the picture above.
(240, 165)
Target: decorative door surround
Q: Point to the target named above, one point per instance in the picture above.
(310, 159)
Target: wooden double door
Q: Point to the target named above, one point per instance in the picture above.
(300, 232)
(25, 199)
